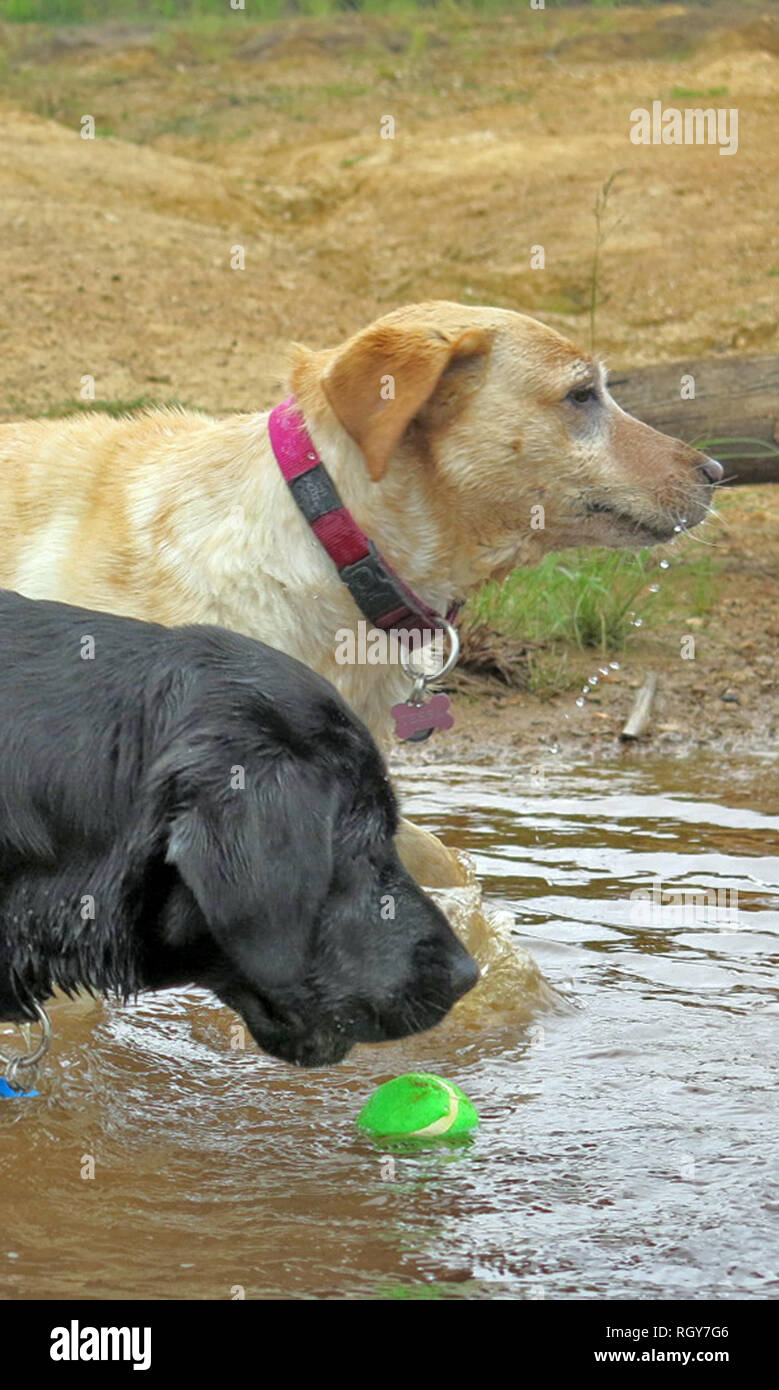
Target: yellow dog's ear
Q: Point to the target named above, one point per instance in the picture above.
(383, 378)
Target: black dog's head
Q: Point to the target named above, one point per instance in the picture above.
(229, 819)
(306, 923)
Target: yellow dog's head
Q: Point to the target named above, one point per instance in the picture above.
(505, 432)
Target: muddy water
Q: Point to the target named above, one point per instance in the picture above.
(628, 1139)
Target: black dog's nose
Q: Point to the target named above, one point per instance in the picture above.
(463, 974)
(712, 471)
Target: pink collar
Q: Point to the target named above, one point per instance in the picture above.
(375, 587)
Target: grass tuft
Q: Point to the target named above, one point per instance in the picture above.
(585, 597)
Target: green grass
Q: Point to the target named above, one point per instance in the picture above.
(696, 587)
(590, 599)
(680, 93)
(583, 597)
(115, 11)
(736, 447)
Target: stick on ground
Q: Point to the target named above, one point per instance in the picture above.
(642, 709)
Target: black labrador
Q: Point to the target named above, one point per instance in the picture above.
(186, 805)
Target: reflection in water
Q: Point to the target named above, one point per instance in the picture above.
(627, 1146)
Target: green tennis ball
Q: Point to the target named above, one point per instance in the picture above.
(418, 1106)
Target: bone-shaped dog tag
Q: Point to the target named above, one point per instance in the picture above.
(416, 722)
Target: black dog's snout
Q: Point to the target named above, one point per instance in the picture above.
(712, 471)
(463, 974)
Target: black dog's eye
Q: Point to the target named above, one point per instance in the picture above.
(582, 395)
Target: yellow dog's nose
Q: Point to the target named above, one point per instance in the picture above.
(712, 471)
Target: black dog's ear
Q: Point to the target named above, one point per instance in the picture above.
(259, 862)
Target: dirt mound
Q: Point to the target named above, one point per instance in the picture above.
(45, 164)
(114, 257)
(297, 39)
(757, 36)
(642, 39)
(117, 254)
(80, 38)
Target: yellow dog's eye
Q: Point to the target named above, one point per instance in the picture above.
(582, 395)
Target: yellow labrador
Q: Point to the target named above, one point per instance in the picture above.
(464, 441)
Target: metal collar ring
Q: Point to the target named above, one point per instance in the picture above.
(23, 1060)
(421, 679)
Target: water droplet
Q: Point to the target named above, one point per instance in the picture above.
(638, 622)
(593, 680)
(614, 665)
(654, 588)
(580, 701)
(677, 529)
(665, 564)
(604, 670)
(585, 690)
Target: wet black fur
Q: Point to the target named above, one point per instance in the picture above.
(118, 784)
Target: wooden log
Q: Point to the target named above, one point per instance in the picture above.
(642, 709)
(734, 415)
